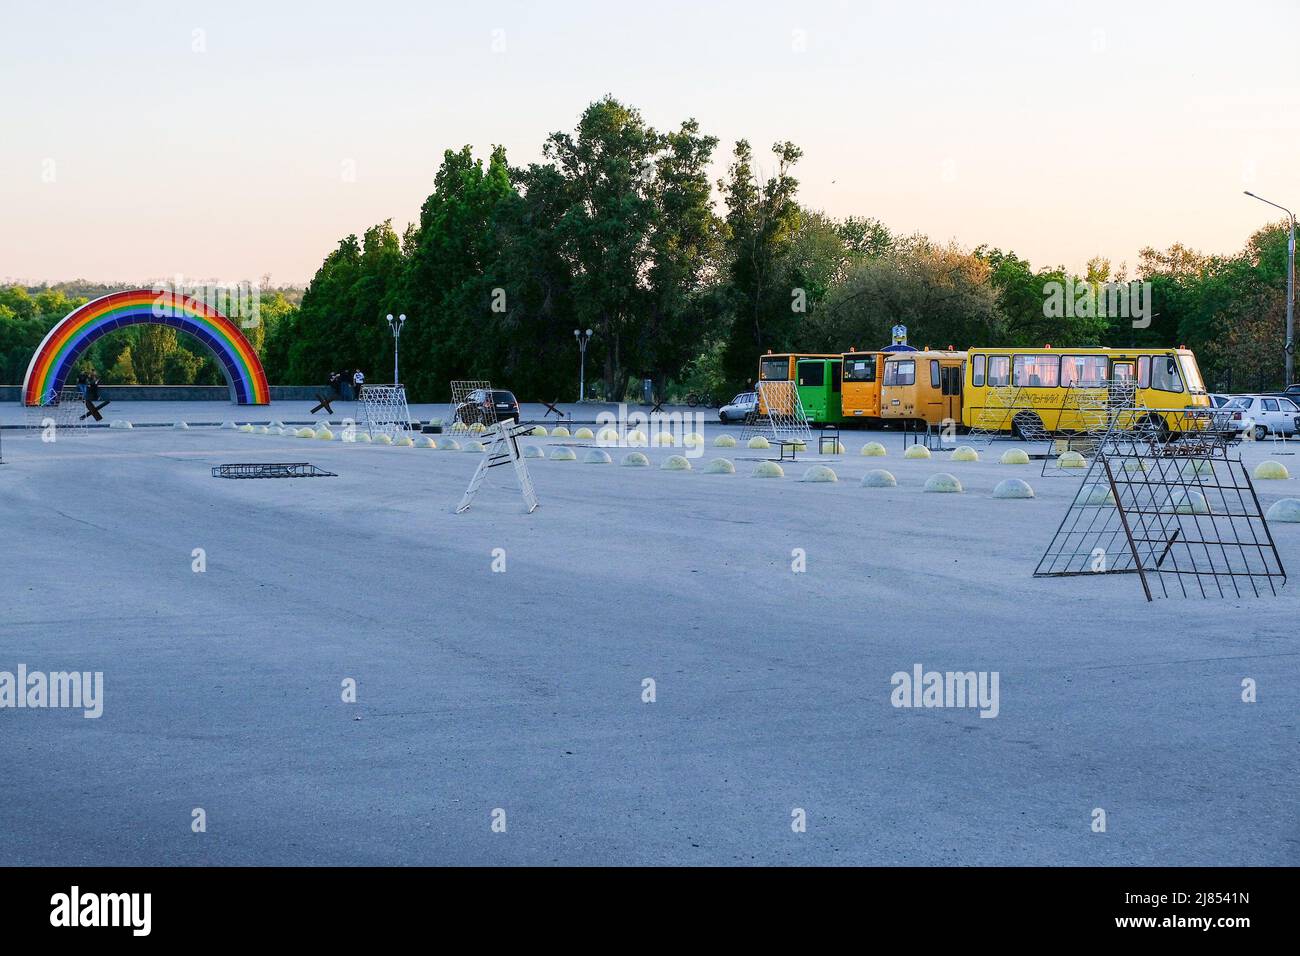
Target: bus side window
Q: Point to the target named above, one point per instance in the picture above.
(812, 373)
(999, 371)
(1144, 371)
(837, 374)
(934, 373)
(977, 371)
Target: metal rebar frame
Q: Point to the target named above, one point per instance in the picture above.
(271, 469)
(1171, 505)
(472, 405)
(384, 410)
(780, 415)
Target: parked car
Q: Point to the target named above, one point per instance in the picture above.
(482, 407)
(1268, 414)
(736, 410)
(1218, 399)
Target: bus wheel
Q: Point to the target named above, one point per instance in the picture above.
(1026, 424)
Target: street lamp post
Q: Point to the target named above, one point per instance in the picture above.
(583, 338)
(395, 324)
(1290, 289)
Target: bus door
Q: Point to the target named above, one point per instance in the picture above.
(1122, 371)
(950, 377)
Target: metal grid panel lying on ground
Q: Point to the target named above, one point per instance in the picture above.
(271, 469)
(1174, 509)
(780, 415)
(384, 410)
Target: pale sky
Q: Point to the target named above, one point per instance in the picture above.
(212, 140)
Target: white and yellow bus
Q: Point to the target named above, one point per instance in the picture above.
(1026, 391)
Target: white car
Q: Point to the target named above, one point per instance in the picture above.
(1266, 414)
(739, 407)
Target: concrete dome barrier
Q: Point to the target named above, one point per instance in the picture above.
(534, 451)
(964, 453)
(584, 433)
(559, 431)
(820, 473)
(181, 426)
(1188, 502)
(635, 459)
(1071, 459)
(607, 436)
(873, 449)
(878, 478)
(767, 469)
(693, 440)
(427, 442)
(261, 430)
(916, 451)
(720, 466)
(242, 428)
(230, 426)
(324, 434)
(1271, 470)
(943, 483)
(1015, 456)
(637, 439)
(724, 441)
(664, 440)
(305, 433)
(383, 439)
(597, 457)
(675, 463)
(1095, 496)
(758, 441)
(539, 432)
(448, 444)
(364, 438)
(477, 428)
(563, 454)
(1013, 488)
(1284, 509)
(406, 441)
(473, 446)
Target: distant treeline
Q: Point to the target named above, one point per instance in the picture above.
(619, 229)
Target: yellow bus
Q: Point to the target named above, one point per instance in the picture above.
(860, 395)
(922, 387)
(1027, 391)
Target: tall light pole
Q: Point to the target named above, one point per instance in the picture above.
(1290, 289)
(396, 325)
(583, 338)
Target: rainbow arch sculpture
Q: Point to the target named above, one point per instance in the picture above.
(56, 356)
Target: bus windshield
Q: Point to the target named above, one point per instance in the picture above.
(1191, 374)
(774, 369)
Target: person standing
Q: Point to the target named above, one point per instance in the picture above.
(81, 384)
(358, 380)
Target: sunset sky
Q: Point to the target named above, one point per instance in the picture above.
(217, 140)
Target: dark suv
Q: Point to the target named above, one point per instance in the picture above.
(483, 407)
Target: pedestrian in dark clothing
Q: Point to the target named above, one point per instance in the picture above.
(81, 385)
